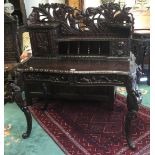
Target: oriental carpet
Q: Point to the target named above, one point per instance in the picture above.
(88, 128)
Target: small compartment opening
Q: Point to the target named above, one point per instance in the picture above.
(84, 48)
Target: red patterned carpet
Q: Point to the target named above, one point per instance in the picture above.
(87, 128)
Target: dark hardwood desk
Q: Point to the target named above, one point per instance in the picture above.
(74, 50)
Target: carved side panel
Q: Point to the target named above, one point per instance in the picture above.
(120, 48)
(40, 43)
(53, 42)
(43, 43)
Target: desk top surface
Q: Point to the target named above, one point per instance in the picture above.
(79, 66)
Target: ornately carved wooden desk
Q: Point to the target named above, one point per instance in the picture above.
(75, 50)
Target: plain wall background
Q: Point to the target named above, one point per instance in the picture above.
(30, 3)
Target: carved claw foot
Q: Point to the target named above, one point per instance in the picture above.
(131, 145)
(130, 115)
(25, 135)
(29, 122)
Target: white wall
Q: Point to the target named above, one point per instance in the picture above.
(56, 1)
(91, 3)
(30, 3)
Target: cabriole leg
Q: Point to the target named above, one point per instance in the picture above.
(19, 100)
(133, 99)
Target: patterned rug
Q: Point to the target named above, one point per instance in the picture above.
(87, 128)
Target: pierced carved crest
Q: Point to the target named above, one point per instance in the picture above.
(105, 19)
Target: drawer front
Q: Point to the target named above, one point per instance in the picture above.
(37, 80)
(80, 86)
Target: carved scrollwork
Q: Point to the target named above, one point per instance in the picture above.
(104, 19)
(76, 79)
(96, 79)
(51, 78)
(120, 48)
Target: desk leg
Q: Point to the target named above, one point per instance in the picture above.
(45, 92)
(20, 103)
(19, 100)
(14, 94)
(133, 99)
